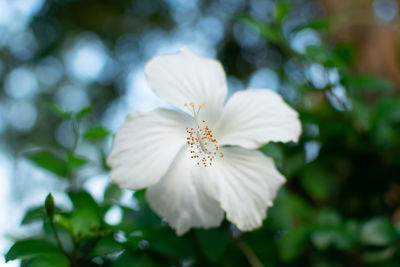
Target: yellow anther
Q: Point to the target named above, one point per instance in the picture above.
(200, 138)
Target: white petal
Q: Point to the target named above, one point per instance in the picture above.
(255, 117)
(185, 77)
(245, 182)
(145, 146)
(179, 200)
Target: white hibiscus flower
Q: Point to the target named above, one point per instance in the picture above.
(200, 161)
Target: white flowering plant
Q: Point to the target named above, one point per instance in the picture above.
(295, 163)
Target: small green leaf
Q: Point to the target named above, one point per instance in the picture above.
(345, 52)
(370, 82)
(322, 238)
(316, 24)
(213, 242)
(75, 162)
(49, 205)
(112, 193)
(361, 113)
(64, 223)
(49, 162)
(273, 150)
(342, 236)
(281, 10)
(298, 207)
(34, 214)
(319, 55)
(30, 248)
(328, 217)
(293, 243)
(96, 133)
(60, 111)
(84, 112)
(380, 256)
(378, 231)
(82, 199)
(316, 181)
(271, 33)
(107, 245)
(293, 164)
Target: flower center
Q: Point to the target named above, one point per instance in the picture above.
(204, 147)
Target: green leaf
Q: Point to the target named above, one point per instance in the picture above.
(271, 33)
(85, 219)
(82, 199)
(64, 223)
(75, 162)
(273, 150)
(361, 113)
(112, 193)
(328, 217)
(345, 52)
(49, 206)
(316, 24)
(388, 110)
(34, 214)
(84, 112)
(131, 259)
(165, 241)
(378, 231)
(322, 238)
(370, 82)
(281, 10)
(324, 56)
(30, 248)
(60, 111)
(85, 223)
(317, 182)
(213, 242)
(53, 260)
(298, 207)
(320, 55)
(293, 243)
(96, 133)
(293, 164)
(49, 162)
(380, 256)
(107, 245)
(341, 236)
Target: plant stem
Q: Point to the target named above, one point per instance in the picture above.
(60, 245)
(249, 254)
(75, 127)
(90, 248)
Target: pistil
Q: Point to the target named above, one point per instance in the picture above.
(203, 144)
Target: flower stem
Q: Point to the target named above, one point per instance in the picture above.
(75, 127)
(60, 245)
(249, 254)
(90, 248)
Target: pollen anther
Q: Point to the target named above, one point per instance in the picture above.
(201, 139)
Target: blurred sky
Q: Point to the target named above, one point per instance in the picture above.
(87, 59)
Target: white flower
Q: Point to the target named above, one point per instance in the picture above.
(201, 161)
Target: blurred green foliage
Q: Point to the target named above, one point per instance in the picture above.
(336, 208)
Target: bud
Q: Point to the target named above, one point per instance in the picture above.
(49, 205)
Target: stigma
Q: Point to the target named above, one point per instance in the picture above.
(203, 145)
